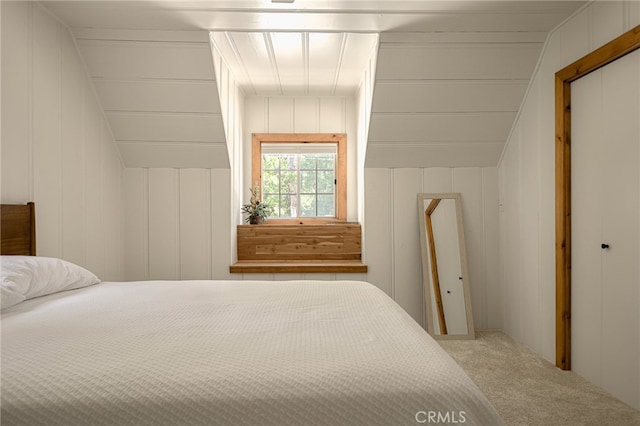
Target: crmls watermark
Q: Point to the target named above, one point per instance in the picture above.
(440, 417)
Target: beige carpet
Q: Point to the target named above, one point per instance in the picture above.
(527, 390)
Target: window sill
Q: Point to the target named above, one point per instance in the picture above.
(248, 267)
(299, 248)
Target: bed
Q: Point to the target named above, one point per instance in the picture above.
(222, 353)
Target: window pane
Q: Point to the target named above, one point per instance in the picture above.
(326, 205)
(307, 205)
(325, 182)
(270, 182)
(288, 205)
(326, 162)
(272, 200)
(289, 183)
(270, 162)
(288, 161)
(308, 161)
(293, 182)
(308, 182)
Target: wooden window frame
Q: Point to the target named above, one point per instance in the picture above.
(617, 48)
(340, 139)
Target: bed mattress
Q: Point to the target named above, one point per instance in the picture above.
(228, 353)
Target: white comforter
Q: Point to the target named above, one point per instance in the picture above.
(228, 353)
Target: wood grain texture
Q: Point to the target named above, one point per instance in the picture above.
(626, 43)
(434, 266)
(299, 248)
(257, 139)
(18, 229)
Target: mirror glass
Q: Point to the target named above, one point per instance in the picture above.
(445, 274)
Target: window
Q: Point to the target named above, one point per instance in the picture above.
(299, 180)
(302, 176)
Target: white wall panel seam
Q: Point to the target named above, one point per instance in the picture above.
(534, 74)
(293, 113)
(540, 341)
(178, 249)
(453, 181)
(31, 95)
(638, 237)
(424, 311)
(103, 184)
(83, 130)
(590, 41)
(212, 239)
(392, 227)
(209, 225)
(483, 294)
(626, 19)
(145, 215)
(96, 98)
(60, 145)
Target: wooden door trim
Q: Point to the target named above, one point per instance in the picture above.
(621, 46)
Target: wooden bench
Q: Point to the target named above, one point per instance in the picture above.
(269, 248)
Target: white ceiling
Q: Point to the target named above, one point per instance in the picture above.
(296, 63)
(450, 78)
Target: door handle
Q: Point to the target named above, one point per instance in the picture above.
(604, 246)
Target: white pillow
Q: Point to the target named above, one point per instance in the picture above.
(26, 277)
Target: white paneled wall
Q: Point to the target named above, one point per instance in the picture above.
(392, 238)
(177, 224)
(527, 192)
(303, 115)
(57, 149)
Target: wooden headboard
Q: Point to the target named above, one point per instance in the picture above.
(18, 229)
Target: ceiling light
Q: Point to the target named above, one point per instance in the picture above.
(282, 1)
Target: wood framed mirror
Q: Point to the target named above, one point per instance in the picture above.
(445, 273)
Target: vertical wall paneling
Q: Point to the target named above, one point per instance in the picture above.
(546, 208)
(297, 114)
(407, 183)
(17, 170)
(46, 131)
(195, 224)
(93, 173)
(177, 224)
(332, 116)
(527, 164)
(575, 37)
(281, 117)
(227, 186)
(378, 229)
(349, 123)
(221, 244)
(305, 115)
(468, 182)
(56, 147)
(607, 22)
(437, 179)
(136, 263)
(73, 101)
(392, 245)
(163, 224)
(112, 199)
(492, 294)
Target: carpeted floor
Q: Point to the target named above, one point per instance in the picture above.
(527, 390)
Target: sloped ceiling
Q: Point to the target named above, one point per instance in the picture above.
(450, 77)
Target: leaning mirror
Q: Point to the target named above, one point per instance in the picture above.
(445, 276)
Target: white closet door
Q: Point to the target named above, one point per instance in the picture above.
(620, 319)
(586, 226)
(605, 210)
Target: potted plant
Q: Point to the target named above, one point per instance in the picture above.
(256, 211)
